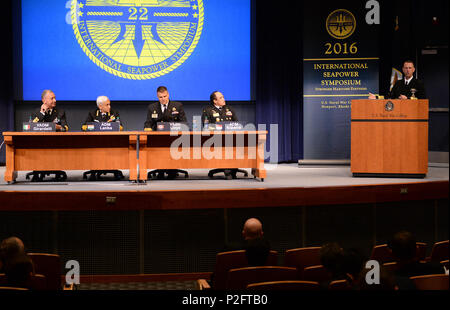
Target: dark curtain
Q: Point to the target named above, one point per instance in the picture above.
(397, 41)
(279, 80)
(415, 30)
(6, 76)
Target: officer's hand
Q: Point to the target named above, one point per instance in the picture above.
(44, 108)
(402, 97)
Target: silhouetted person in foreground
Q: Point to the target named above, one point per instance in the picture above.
(353, 262)
(404, 248)
(256, 247)
(332, 257)
(19, 272)
(10, 248)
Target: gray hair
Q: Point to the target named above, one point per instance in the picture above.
(101, 100)
(45, 93)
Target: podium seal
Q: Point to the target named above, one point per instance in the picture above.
(389, 106)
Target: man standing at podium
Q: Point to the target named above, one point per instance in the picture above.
(49, 113)
(408, 87)
(404, 88)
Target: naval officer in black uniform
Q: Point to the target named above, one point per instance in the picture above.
(218, 110)
(103, 113)
(49, 113)
(164, 110)
(402, 88)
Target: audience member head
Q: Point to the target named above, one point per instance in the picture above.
(257, 251)
(331, 255)
(252, 229)
(353, 262)
(9, 249)
(403, 246)
(18, 271)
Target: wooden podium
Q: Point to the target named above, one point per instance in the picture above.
(389, 138)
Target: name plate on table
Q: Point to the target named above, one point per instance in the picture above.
(164, 126)
(32, 127)
(225, 126)
(103, 126)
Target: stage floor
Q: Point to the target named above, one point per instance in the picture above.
(278, 176)
(286, 185)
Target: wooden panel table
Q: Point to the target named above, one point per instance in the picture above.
(70, 151)
(389, 138)
(202, 150)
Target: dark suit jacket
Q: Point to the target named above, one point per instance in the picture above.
(96, 116)
(419, 269)
(256, 250)
(57, 116)
(401, 89)
(404, 272)
(174, 113)
(213, 114)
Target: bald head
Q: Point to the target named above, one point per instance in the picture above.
(252, 229)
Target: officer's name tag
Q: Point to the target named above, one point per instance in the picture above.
(163, 126)
(103, 126)
(233, 126)
(47, 126)
(228, 126)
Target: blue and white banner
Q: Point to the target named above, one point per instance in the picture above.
(340, 63)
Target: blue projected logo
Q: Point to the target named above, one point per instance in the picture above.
(140, 39)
